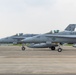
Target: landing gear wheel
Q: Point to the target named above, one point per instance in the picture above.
(52, 48)
(59, 49)
(23, 48)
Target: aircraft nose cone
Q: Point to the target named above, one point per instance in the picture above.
(1, 40)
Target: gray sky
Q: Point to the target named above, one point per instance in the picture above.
(35, 16)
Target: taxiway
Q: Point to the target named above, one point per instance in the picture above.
(37, 61)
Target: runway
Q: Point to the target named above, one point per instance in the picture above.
(37, 61)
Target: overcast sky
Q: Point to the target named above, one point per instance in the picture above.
(35, 16)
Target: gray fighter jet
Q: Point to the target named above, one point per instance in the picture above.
(52, 40)
(15, 38)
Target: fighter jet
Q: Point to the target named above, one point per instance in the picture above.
(52, 40)
(15, 39)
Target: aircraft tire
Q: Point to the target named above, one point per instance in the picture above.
(23, 48)
(52, 48)
(59, 49)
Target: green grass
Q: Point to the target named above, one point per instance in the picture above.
(17, 44)
(28, 45)
(68, 44)
(21, 44)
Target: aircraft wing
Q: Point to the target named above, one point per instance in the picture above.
(62, 36)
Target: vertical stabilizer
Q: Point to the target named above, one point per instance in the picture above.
(71, 27)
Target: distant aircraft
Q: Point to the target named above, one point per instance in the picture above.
(52, 40)
(15, 38)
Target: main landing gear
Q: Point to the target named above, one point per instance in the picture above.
(52, 48)
(23, 47)
(59, 49)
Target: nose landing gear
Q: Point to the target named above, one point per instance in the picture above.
(23, 48)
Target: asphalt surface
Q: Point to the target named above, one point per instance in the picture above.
(37, 61)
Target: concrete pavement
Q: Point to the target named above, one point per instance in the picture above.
(37, 61)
